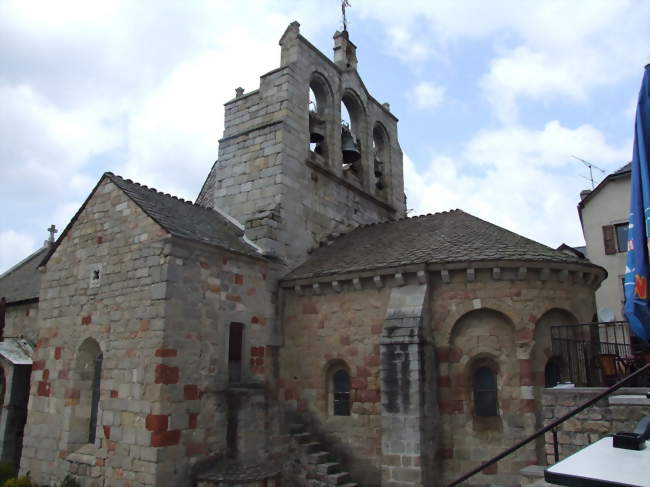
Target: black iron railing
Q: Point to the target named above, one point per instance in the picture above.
(645, 370)
(596, 354)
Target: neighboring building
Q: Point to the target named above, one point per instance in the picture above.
(604, 214)
(175, 345)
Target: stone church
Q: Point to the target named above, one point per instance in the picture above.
(292, 326)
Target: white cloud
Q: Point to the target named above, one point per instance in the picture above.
(14, 247)
(524, 180)
(427, 95)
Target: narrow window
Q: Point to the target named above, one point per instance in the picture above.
(552, 372)
(621, 236)
(485, 392)
(235, 345)
(94, 405)
(341, 396)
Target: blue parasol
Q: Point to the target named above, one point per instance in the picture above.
(637, 271)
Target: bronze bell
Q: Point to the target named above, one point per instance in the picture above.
(316, 128)
(349, 147)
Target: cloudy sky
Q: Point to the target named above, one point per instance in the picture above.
(494, 98)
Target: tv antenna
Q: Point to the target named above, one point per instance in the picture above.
(590, 166)
(344, 4)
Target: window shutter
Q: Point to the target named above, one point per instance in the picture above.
(609, 237)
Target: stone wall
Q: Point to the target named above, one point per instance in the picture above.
(326, 331)
(103, 285)
(499, 319)
(20, 320)
(207, 289)
(618, 412)
(288, 196)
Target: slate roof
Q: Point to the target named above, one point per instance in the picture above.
(23, 281)
(186, 219)
(449, 237)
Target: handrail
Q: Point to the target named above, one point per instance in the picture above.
(551, 426)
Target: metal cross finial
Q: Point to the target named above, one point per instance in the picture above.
(52, 231)
(345, 3)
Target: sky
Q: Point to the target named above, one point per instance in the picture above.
(495, 99)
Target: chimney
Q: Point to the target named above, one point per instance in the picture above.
(345, 52)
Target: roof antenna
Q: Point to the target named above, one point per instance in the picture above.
(590, 166)
(345, 3)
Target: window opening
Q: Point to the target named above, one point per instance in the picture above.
(485, 392)
(341, 387)
(316, 125)
(552, 372)
(380, 153)
(94, 405)
(621, 236)
(350, 147)
(235, 346)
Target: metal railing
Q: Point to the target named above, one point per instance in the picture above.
(579, 351)
(553, 426)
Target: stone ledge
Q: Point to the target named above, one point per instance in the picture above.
(629, 400)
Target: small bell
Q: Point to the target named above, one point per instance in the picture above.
(349, 147)
(316, 128)
(380, 183)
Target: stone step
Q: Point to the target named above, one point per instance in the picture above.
(328, 468)
(312, 447)
(319, 457)
(339, 478)
(302, 437)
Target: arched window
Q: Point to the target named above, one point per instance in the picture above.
(85, 396)
(319, 113)
(485, 392)
(352, 130)
(341, 392)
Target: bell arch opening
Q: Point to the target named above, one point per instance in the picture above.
(352, 130)
(320, 112)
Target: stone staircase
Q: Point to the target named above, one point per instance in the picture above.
(316, 466)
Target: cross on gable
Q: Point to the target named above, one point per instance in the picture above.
(52, 231)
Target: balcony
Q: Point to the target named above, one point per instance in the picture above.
(595, 355)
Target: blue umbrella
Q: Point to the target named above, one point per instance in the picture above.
(637, 271)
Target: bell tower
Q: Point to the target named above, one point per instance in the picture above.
(289, 169)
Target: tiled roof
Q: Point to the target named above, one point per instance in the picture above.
(185, 219)
(449, 237)
(23, 281)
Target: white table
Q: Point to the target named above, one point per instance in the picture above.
(602, 465)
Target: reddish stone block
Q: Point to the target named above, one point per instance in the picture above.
(157, 422)
(64, 374)
(526, 375)
(528, 405)
(359, 383)
(100, 239)
(86, 320)
(166, 352)
(46, 374)
(454, 355)
(524, 336)
(257, 351)
(444, 381)
(238, 279)
(251, 291)
(491, 470)
(446, 453)
(100, 462)
(72, 393)
(344, 340)
(166, 374)
(372, 360)
(38, 365)
(43, 389)
(165, 438)
(191, 392)
(57, 353)
(233, 297)
(113, 394)
(442, 354)
(42, 342)
(193, 421)
(144, 325)
(255, 320)
(107, 432)
(204, 265)
(309, 308)
(368, 396)
(363, 372)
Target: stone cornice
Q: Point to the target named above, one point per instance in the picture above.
(569, 273)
